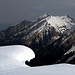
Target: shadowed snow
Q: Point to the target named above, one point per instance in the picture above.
(61, 69)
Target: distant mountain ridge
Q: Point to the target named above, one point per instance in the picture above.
(4, 26)
(50, 37)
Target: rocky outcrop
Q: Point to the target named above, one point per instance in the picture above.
(60, 51)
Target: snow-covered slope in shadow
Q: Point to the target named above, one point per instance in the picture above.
(14, 56)
(61, 69)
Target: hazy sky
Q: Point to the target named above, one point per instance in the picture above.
(14, 11)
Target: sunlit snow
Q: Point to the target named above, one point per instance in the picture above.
(14, 56)
(12, 62)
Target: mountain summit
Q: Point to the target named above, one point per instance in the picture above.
(50, 37)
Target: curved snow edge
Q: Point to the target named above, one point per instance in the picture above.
(15, 56)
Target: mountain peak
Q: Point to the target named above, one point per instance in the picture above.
(60, 23)
(47, 37)
(44, 16)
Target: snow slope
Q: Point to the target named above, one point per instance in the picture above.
(61, 69)
(12, 62)
(60, 23)
(14, 56)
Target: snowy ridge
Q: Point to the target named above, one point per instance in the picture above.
(14, 56)
(62, 24)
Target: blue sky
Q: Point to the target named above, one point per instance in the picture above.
(14, 11)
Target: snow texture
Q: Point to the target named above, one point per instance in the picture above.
(60, 23)
(12, 63)
(61, 69)
(14, 56)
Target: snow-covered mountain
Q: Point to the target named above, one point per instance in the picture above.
(45, 25)
(50, 37)
(60, 23)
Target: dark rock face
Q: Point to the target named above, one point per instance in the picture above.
(54, 53)
(49, 46)
(13, 34)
